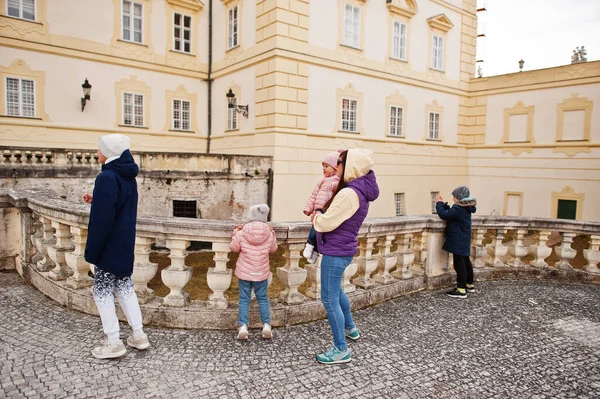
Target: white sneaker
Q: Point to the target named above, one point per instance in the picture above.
(243, 332)
(266, 332)
(308, 251)
(109, 351)
(313, 258)
(140, 343)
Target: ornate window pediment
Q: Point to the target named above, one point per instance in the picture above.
(194, 5)
(441, 22)
(404, 8)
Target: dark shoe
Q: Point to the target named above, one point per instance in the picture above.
(470, 288)
(455, 293)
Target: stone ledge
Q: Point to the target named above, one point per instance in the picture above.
(199, 316)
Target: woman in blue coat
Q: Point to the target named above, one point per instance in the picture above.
(458, 237)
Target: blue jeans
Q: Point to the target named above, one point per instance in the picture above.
(335, 299)
(260, 290)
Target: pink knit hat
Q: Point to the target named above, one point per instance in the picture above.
(331, 159)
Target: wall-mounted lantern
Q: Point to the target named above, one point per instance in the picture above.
(87, 88)
(239, 108)
(521, 65)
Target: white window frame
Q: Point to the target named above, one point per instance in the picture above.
(352, 25)
(232, 117)
(20, 8)
(133, 109)
(437, 52)
(434, 125)
(395, 129)
(19, 96)
(132, 18)
(182, 120)
(351, 113)
(433, 195)
(399, 41)
(399, 202)
(233, 26)
(182, 30)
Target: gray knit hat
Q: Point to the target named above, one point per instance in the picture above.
(461, 192)
(258, 213)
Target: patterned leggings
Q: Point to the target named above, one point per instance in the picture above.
(105, 284)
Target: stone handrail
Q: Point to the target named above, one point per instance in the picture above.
(396, 256)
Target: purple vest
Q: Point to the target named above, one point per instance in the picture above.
(343, 240)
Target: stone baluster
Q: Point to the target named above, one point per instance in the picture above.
(57, 251)
(219, 277)
(37, 235)
(437, 259)
(177, 275)
(292, 275)
(541, 250)
(143, 269)
(386, 260)
(592, 255)
(367, 263)
(76, 262)
(46, 239)
(350, 271)
(420, 250)
(565, 252)
(406, 257)
(518, 250)
(497, 249)
(314, 277)
(478, 250)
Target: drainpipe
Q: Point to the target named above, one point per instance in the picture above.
(209, 80)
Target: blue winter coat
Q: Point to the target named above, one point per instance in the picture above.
(458, 226)
(111, 230)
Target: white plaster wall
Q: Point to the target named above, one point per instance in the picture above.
(376, 31)
(545, 115)
(323, 28)
(322, 105)
(82, 19)
(244, 78)
(64, 77)
(159, 27)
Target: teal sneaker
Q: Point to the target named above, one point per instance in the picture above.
(353, 334)
(334, 356)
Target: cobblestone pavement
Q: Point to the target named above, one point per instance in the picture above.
(508, 340)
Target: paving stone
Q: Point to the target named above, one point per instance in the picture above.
(517, 339)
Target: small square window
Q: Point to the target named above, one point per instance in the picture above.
(185, 209)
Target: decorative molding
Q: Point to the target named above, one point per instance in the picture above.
(567, 193)
(574, 103)
(342, 47)
(517, 148)
(121, 48)
(398, 100)
(192, 5)
(175, 58)
(440, 22)
(181, 93)
(132, 85)
(25, 29)
(348, 92)
(403, 8)
(18, 68)
(513, 193)
(232, 54)
(434, 107)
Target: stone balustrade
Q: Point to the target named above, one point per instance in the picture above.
(396, 256)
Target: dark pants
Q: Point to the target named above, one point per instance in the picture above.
(464, 270)
(312, 238)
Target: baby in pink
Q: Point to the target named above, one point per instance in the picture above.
(322, 193)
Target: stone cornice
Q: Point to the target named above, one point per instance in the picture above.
(193, 5)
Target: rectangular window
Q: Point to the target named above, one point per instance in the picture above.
(181, 115)
(567, 209)
(433, 194)
(233, 27)
(182, 33)
(352, 26)
(132, 21)
(24, 9)
(396, 114)
(399, 199)
(349, 116)
(184, 209)
(133, 109)
(399, 41)
(20, 97)
(232, 116)
(437, 56)
(434, 126)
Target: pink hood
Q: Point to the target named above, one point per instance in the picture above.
(254, 242)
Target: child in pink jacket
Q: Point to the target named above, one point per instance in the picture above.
(254, 240)
(322, 192)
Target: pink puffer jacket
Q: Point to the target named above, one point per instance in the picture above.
(254, 242)
(322, 192)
